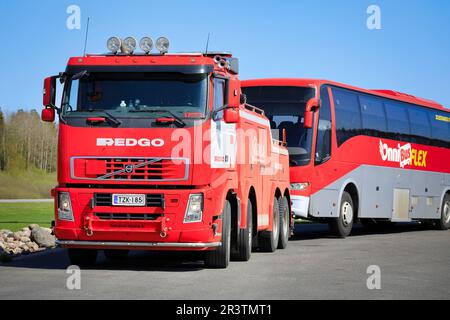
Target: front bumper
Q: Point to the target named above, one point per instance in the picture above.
(166, 231)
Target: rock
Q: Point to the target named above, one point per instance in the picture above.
(43, 237)
(10, 235)
(17, 236)
(5, 231)
(33, 226)
(25, 229)
(9, 240)
(26, 233)
(17, 251)
(25, 239)
(11, 245)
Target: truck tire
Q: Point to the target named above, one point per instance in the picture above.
(268, 240)
(116, 255)
(219, 258)
(444, 222)
(244, 245)
(82, 257)
(285, 223)
(342, 226)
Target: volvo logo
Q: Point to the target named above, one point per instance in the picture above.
(129, 168)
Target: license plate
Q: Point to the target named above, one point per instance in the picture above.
(132, 200)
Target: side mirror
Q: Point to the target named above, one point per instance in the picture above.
(48, 115)
(312, 104)
(231, 115)
(49, 94)
(234, 96)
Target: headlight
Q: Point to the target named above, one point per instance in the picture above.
(65, 207)
(194, 210)
(146, 44)
(128, 45)
(162, 44)
(114, 44)
(300, 186)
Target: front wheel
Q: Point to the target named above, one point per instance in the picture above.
(342, 226)
(220, 258)
(82, 257)
(444, 222)
(268, 240)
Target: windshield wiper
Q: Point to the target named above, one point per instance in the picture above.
(109, 117)
(178, 120)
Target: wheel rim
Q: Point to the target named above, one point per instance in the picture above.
(250, 233)
(446, 212)
(347, 213)
(276, 222)
(286, 219)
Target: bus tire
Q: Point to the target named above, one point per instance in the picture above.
(116, 255)
(342, 226)
(268, 240)
(82, 257)
(219, 258)
(285, 223)
(244, 246)
(444, 222)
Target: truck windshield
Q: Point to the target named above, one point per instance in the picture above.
(132, 94)
(285, 108)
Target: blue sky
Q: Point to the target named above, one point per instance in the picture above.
(317, 39)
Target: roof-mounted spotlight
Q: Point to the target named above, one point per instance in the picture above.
(113, 44)
(162, 44)
(129, 45)
(146, 44)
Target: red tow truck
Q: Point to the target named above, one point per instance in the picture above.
(160, 151)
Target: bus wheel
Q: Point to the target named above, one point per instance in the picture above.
(342, 226)
(82, 257)
(244, 245)
(220, 257)
(285, 224)
(444, 222)
(116, 255)
(268, 240)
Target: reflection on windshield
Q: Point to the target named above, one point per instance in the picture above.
(285, 108)
(129, 95)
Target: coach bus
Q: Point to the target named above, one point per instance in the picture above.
(369, 156)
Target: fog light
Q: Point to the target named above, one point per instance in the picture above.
(65, 207)
(194, 210)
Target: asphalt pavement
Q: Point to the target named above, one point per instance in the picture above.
(413, 263)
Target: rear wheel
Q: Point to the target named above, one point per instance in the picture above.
(444, 222)
(82, 257)
(116, 255)
(268, 240)
(244, 245)
(342, 226)
(285, 220)
(220, 257)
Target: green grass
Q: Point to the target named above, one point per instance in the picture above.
(26, 184)
(15, 216)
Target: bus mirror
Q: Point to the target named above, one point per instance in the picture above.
(48, 115)
(231, 115)
(49, 94)
(310, 106)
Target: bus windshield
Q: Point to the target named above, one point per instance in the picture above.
(136, 94)
(285, 108)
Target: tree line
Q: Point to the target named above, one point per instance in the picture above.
(26, 142)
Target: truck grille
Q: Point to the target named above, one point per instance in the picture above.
(129, 169)
(127, 216)
(105, 200)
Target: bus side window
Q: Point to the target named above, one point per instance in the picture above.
(323, 141)
(420, 125)
(348, 115)
(440, 128)
(398, 122)
(373, 116)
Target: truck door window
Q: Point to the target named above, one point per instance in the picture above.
(219, 95)
(323, 141)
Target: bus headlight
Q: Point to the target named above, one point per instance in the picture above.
(194, 210)
(65, 207)
(162, 44)
(128, 45)
(146, 44)
(300, 186)
(114, 44)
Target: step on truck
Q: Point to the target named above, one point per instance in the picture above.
(160, 151)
